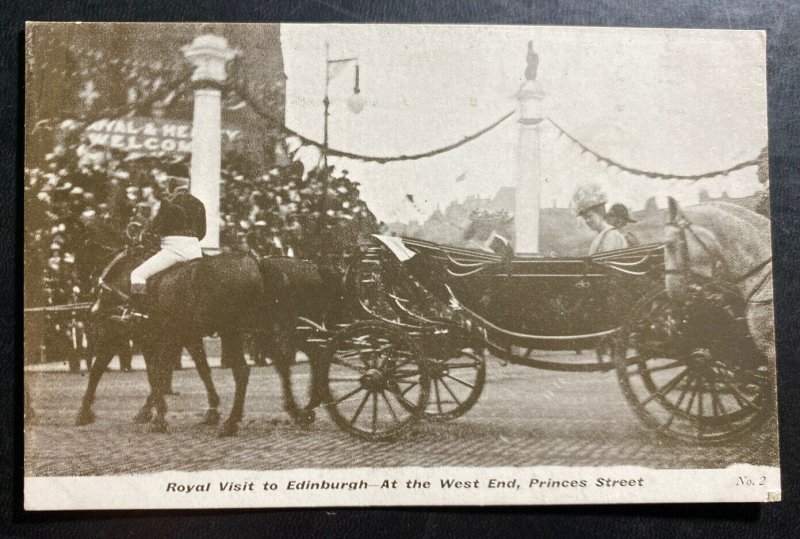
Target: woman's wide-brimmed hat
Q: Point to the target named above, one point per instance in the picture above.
(588, 196)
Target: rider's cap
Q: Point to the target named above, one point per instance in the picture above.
(173, 184)
(619, 211)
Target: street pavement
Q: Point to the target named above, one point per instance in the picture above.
(525, 417)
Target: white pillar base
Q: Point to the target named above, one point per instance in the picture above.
(206, 160)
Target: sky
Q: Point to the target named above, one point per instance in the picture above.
(672, 101)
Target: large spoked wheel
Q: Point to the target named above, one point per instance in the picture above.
(456, 385)
(374, 382)
(690, 371)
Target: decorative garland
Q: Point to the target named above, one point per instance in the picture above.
(245, 95)
(649, 173)
(242, 91)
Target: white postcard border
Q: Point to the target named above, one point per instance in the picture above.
(545, 485)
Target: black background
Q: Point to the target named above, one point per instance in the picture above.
(782, 21)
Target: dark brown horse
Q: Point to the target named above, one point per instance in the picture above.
(103, 249)
(227, 294)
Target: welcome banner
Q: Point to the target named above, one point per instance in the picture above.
(148, 135)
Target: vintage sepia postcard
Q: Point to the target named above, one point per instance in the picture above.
(303, 265)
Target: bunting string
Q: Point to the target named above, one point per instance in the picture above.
(649, 173)
(607, 161)
(333, 152)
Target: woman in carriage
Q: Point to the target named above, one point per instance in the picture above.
(589, 202)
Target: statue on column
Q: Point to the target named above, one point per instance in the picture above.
(533, 63)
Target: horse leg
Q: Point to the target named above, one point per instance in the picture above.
(173, 364)
(28, 413)
(315, 365)
(241, 374)
(162, 368)
(198, 353)
(104, 356)
(145, 413)
(760, 324)
(284, 357)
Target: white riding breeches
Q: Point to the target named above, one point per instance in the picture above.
(174, 249)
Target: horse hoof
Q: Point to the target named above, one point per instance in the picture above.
(158, 425)
(305, 418)
(85, 417)
(144, 416)
(211, 417)
(228, 429)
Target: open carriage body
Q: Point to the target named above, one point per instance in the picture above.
(542, 303)
(436, 313)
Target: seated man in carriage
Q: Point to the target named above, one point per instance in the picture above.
(589, 202)
(618, 217)
(180, 224)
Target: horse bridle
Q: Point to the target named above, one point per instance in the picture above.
(683, 226)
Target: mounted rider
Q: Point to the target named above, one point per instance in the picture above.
(180, 223)
(589, 202)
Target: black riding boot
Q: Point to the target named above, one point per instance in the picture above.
(133, 312)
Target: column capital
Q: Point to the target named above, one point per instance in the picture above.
(209, 54)
(531, 97)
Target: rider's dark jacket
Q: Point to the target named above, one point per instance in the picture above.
(184, 215)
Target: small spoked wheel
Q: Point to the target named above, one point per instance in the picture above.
(456, 384)
(692, 373)
(374, 382)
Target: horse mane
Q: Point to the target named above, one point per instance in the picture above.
(752, 218)
(732, 223)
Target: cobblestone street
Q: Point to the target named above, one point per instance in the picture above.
(524, 417)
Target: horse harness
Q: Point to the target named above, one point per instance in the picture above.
(685, 226)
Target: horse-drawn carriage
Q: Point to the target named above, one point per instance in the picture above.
(691, 350)
(689, 369)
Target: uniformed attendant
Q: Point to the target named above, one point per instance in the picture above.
(589, 202)
(618, 217)
(181, 224)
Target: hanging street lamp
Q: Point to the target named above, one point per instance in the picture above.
(356, 102)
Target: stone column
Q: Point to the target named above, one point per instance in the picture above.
(529, 160)
(208, 54)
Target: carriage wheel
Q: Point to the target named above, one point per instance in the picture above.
(374, 382)
(456, 384)
(691, 372)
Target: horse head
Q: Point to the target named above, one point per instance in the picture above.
(689, 250)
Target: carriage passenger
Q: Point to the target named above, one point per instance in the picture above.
(589, 202)
(618, 217)
(180, 224)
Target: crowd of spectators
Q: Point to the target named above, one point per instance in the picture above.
(280, 213)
